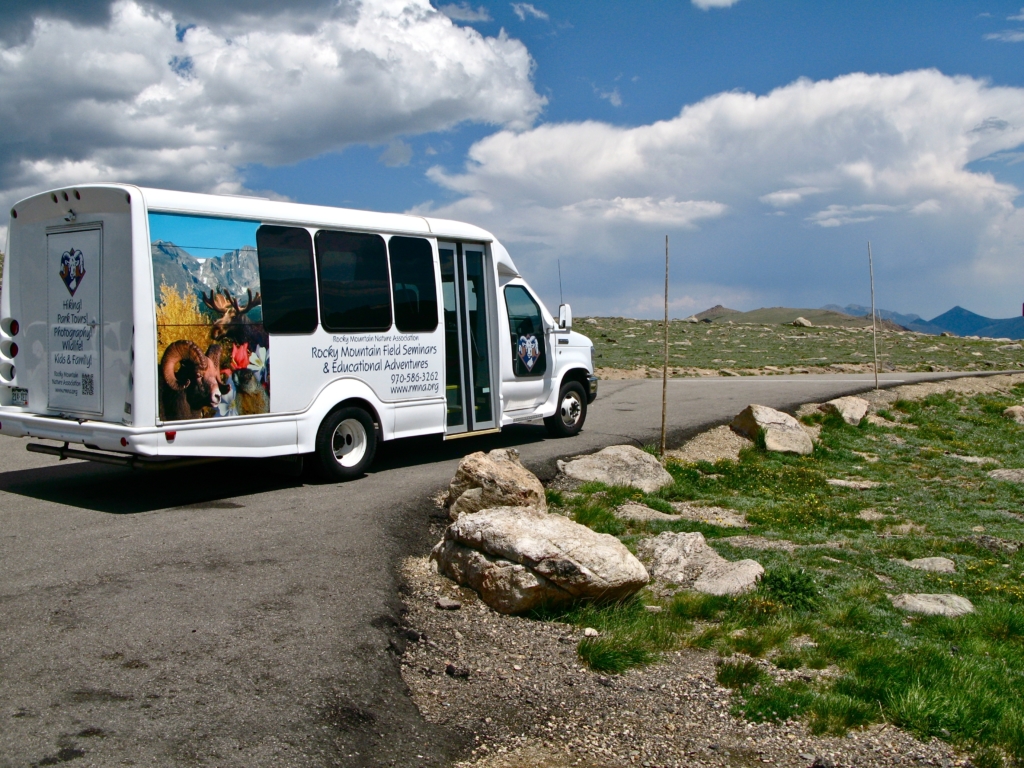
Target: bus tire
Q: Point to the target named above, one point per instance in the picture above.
(572, 411)
(345, 444)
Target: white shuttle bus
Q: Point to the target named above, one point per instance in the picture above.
(156, 328)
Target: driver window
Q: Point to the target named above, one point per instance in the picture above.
(526, 332)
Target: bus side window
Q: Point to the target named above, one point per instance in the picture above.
(413, 286)
(354, 290)
(526, 332)
(286, 279)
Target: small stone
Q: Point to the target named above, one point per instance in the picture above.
(933, 605)
(823, 762)
(590, 632)
(605, 681)
(459, 673)
(931, 564)
(729, 578)
(447, 604)
(1008, 475)
(803, 322)
(856, 485)
(972, 459)
(995, 544)
(653, 608)
(412, 635)
(782, 433)
(1015, 412)
(642, 513)
(978, 529)
(852, 409)
(870, 515)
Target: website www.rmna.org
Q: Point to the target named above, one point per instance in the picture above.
(407, 388)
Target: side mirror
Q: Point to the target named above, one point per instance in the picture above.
(565, 317)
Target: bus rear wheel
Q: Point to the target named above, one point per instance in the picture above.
(572, 411)
(346, 443)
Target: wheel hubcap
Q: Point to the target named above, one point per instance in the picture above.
(571, 410)
(349, 442)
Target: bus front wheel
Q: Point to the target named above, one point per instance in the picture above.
(572, 411)
(346, 443)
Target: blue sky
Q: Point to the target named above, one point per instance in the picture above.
(769, 140)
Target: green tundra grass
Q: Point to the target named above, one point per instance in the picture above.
(824, 605)
(702, 348)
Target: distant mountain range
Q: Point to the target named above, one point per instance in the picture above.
(237, 271)
(957, 320)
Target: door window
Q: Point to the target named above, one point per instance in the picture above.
(354, 290)
(413, 286)
(526, 332)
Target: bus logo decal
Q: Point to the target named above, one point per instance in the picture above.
(72, 269)
(529, 351)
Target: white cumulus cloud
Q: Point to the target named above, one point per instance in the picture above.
(849, 156)
(145, 99)
(465, 12)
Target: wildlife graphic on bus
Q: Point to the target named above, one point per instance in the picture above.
(529, 351)
(72, 269)
(212, 349)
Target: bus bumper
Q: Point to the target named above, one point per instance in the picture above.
(591, 388)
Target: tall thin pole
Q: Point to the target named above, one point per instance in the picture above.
(664, 370)
(560, 299)
(874, 325)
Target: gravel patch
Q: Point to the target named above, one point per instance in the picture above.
(517, 691)
(726, 518)
(713, 445)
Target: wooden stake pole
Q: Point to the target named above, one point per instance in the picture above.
(874, 325)
(664, 370)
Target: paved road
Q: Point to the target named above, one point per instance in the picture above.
(228, 615)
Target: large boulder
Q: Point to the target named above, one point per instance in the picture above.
(619, 465)
(686, 560)
(517, 558)
(782, 432)
(495, 479)
(852, 409)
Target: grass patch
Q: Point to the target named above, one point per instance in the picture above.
(825, 601)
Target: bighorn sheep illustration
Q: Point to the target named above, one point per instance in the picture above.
(233, 323)
(189, 380)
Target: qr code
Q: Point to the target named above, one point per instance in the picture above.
(87, 384)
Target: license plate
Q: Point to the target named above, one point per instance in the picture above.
(19, 396)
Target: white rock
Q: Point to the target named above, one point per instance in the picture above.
(931, 564)
(1008, 475)
(729, 578)
(686, 560)
(1006, 347)
(857, 485)
(726, 518)
(643, 513)
(495, 479)
(677, 558)
(590, 632)
(519, 557)
(803, 322)
(1015, 412)
(782, 432)
(590, 321)
(691, 319)
(852, 409)
(619, 465)
(933, 605)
